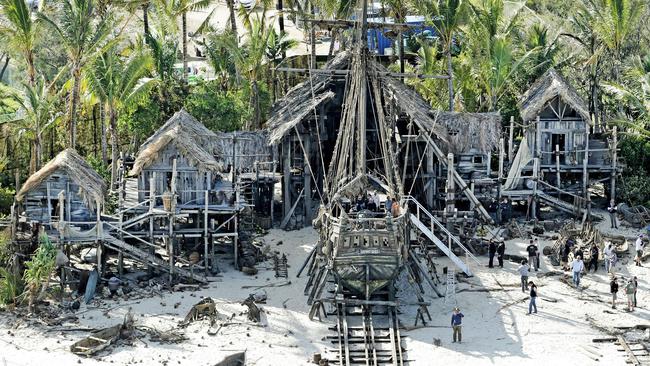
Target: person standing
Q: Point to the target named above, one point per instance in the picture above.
(533, 297)
(501, 251)
(536, 243)
(607, 252)
(388, 205)
(613, 289)
(577, 266)
(532, 254)
(639, 245)
(523, 272)
(377, 201)
(629, 291)
(456, 324)
(492, 250)
(612, 214)
(593, 259)
(564, 261)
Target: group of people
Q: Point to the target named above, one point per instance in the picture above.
(630, 289)
(497, 248)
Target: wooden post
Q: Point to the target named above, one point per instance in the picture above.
(471, 188)
(49, 204)
(235, 244)
(272, 191)
(614, 153)
(152, 202)
(286, 175)
(557, 166)
(205, 234)
(120, 208)
(585, 173)
(68, 206)
(451, 198)
(234, 161)
(535, 177)
(511, 139)
(538, 139)
(430, 192)
(307, 180)
(489, 164)
(500, 176)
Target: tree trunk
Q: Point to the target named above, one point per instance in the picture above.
(72, 109)
(233, 19)
(256, 106)
(400, 39)
(450, 80)
(333, 34)
(31, 70)
(4, 67)
(312, 36)
(145, 18)
(102, 121)
(115, 155)
(95, 131)
(38, 151)
(184, 17)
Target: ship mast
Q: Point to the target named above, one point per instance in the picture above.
(361, 111)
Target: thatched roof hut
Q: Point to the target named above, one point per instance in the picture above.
(544, 89)
(189, 136)
(301, 100)
(470, 131)
(91, 185)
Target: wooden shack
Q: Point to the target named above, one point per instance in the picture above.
(561, 151)
(65, 189)
(183, 146)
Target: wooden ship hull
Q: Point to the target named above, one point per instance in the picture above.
(365, 253)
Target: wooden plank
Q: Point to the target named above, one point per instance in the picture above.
(633, 358)
(287, 217)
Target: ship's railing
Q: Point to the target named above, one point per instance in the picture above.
(434, 223)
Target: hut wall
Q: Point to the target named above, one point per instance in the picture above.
(190, 182)
(36, 204)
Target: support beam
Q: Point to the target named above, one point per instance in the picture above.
(614, 154)
(511, 139)
(558, 181)
(286, 175)
(307, 176)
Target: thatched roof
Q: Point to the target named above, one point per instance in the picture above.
(91, 184)
(188, 135)
(250, 146)
(544, 89)
(301, 100)
(467, 131)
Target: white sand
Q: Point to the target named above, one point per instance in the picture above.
(558, 333)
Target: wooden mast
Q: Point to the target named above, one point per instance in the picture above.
(361, 109)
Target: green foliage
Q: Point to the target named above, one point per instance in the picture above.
(635, 151)
(218, 110)
(98, 165)
(11, 286)
(634, 189)
(6, 200)
(39, 269)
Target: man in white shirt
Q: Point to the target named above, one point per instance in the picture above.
(577, 267)
(639, 245)
(608, 251)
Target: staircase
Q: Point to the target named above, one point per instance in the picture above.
(561, 204)
(428, 231)
(142, 256)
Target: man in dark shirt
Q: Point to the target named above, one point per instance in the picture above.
(565, 255)
(456, 323)
(593, 261)
(613, 289)
(501, 250)
(492, 250)
(532, 255)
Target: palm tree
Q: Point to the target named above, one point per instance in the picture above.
(20, 32)
(276, 49)
(173, 9)
(83, 39)
(118, 83)
(35, 115)
(447, 17)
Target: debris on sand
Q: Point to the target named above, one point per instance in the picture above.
(100, 340)
(205, 308)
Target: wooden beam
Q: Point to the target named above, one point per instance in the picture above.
(345, 72)
(511, 141)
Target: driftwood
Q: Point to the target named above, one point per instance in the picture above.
(202, 309)
(512, 303)
(102, 339)
(237, 359)
(253, 311)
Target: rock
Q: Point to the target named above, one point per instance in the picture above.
(437, 342)
(249, 270)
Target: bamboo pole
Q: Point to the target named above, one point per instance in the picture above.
(205, 234)
(557, 166)
(152, 201)
(307, 174)
(614, 154)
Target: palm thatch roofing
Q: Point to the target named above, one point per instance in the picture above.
(544, 89)
(250, 146)
(91, 184)
(301, 100)
(185, 133)
(470, 131)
